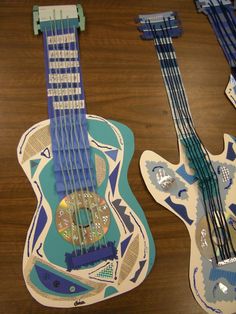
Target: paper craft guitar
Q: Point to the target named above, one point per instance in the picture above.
(223, 20)
(89, 239)
(200, 189)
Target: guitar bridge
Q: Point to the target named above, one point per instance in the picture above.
(78, 260)
(227, 261)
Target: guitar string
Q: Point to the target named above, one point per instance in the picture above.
(216, 20)
(232, 25)
(216, 186)
(75, 135)
(171, 91)
(179, 84)
(98, 207)
(63, 146)
(57, 140)
(198, 143)
(82, 193)
(230, 17)
(222, 33)
(181, 91)
(85, 180)
(71, 144)
(186, 131)
(219, 202)
(176, 100)
(75, 204)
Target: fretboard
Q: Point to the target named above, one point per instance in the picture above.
(174, 86)
(73, 167)
(161, 27)
(196, 153)
(63, 72)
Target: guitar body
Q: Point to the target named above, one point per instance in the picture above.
(45, 270)
(214, 287)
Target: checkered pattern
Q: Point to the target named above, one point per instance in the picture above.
(106, 272)
(225, 174)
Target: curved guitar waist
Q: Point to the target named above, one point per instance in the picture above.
(78, 255)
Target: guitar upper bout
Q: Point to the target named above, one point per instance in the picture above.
(170, 185)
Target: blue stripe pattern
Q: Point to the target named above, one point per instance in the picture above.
(223, 20)
(73, 166)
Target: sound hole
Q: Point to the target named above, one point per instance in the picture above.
(82, 218)
(203, 238)
(86, 218)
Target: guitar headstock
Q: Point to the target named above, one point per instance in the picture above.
(159, 24)
(204, 4)
(66, 15)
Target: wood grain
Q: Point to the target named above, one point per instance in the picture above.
(123, 82)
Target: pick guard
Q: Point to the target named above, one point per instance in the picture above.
(213, 287)
(44, 266)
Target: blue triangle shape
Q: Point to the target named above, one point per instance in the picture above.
(113, 178)
(112, 154)
(124, 244)
(34, 165)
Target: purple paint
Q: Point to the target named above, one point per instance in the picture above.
(58, 284)
(42, 219)
(78, 260)
(113, 178)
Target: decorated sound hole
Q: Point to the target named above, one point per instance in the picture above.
(82, 218)
(203, 237)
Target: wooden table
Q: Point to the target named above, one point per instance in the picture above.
(123, 82)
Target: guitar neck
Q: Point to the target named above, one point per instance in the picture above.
(174, 86)
(73, 167)
(63, 73)
(161, 28)
(223, 20)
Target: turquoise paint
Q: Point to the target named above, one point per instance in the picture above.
(109, 291)
(102, 132)
(33, 166)
(53, 240)
(54, 246)
(47, 26)
(125, 190)
(36, 281)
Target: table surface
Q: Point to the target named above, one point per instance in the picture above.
(122, 82)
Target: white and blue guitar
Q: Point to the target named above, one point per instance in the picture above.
(223, 20)
(89, 239)
(201, 188)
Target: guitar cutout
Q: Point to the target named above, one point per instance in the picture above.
(77, 165)
(197, 189)
(223, 20)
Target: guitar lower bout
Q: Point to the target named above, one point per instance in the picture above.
(79, 256)
(176, 188)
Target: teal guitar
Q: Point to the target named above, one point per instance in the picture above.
(200, 189)
(89, 239)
